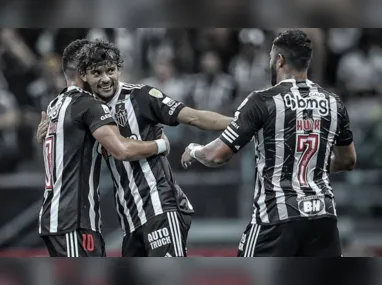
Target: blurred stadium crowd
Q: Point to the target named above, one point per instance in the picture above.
(210, 68)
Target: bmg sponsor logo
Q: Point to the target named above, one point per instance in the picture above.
(311, 205)
(159, 238)
(315, 100)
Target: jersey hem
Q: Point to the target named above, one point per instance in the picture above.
(154, 216)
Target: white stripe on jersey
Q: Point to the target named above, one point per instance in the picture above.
(67, 245)
(313, 161)
(72, 253)
(299, 116)
(227, 137)
(91, 189)
(232, 132)
(228, 134)
(59, 163)
(279, 157)
(76, 244)
(146, 169)
(119, 194)
(261, 164)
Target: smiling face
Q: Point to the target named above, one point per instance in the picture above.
(103, 80)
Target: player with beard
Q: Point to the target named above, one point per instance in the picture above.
(69, 219)
(302, 134)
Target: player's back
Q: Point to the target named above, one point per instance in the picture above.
(293, 152)
(72, 166)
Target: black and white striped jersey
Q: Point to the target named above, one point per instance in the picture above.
(295, 126)
(72, 163)
(144, 188)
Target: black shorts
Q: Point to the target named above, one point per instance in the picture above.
(79, 243)
(162, 236)
(314, 238)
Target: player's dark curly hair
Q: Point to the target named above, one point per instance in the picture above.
(296, 47)
(99, 53)
(70, 55)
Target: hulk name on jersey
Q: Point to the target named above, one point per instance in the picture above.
(144, 188)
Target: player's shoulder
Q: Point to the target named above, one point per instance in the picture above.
(271, 91)
(141, 90)
(82, 98)
(78, 93)
(264, 95)
(328, 93)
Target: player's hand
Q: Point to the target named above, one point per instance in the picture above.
(167, 144)
(42, 128)
(187, 159)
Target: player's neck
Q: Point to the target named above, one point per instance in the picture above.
(298, 76)
(73, 83)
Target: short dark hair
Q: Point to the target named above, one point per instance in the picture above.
(98, 53)
(296, 47)
(70, 55)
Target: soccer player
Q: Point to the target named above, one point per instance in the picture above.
(69, 219)
(302, 134)
(154, 212)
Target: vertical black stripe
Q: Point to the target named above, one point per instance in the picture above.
(270, 159)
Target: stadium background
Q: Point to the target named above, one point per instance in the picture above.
(210, 69)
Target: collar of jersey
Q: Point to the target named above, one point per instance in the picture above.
(71, 87)
(116, 95)
(292, 80)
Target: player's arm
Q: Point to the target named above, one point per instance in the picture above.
(214, 154)
(158, 107)
(249, 118)
(97, 118)
(205, 120)
(343, 156)
(122, 148)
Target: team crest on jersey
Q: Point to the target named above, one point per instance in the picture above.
(156, 93)
(121, 116)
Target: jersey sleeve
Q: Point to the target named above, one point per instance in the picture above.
(157, 106)
(92, 113)
(250, 117)
(344, 135)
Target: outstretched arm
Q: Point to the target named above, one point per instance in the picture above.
(205, 120)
